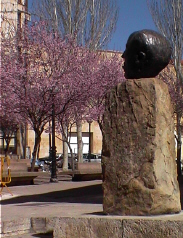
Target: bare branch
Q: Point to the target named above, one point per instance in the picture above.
(93, 22)
(168, 17)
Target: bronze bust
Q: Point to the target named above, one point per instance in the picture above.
(147, 53)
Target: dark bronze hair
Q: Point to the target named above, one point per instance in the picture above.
(147, 53)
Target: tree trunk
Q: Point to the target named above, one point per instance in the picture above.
(79, 142)
(179, 144)
(25, 141)
(36, 146)
(72, 158)
(7, 147)
(20, 146)
(65, 149)
(38, 150)
(65, 156)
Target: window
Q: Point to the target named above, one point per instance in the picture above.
(85, 139)
(73, 143)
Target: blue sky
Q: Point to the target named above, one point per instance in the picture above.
(133, 16)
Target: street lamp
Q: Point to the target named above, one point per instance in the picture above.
(89, 152)
(53, 178)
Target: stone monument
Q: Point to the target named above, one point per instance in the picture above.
(138, 154)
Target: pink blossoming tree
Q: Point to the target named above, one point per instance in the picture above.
(10, 71)
(55, 71)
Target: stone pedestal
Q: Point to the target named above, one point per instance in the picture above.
(138, 155)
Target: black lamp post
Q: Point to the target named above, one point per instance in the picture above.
(49, 137)
(53, 149)
(89, 152)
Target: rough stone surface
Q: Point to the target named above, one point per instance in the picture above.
(152, 229)
(88, 227)
(16, 226)
(38, 224)
(72, 227)
(51, 223)
(138, 162)
(117, 228)
(106, 228)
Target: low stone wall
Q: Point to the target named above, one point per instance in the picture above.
(89, 167)
(87, 171)
(20, 226)
(99, 227)
(117, 228)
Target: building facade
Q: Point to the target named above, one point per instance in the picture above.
(90, 133)
(14, 14)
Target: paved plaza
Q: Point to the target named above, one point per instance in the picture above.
(63, 199)
(45, 199)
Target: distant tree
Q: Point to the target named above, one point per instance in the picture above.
(8, 126)
(91, 22)
(9, 70)
(97, 75)
(168, 17)
(9, 120)
(51, 64)
(51, 70)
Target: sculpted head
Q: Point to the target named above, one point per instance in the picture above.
(147, 53)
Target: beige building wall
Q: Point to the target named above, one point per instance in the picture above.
(96, 140)
(13, 13)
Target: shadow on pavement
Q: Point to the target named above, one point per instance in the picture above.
(89, 194)
(47, 235)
